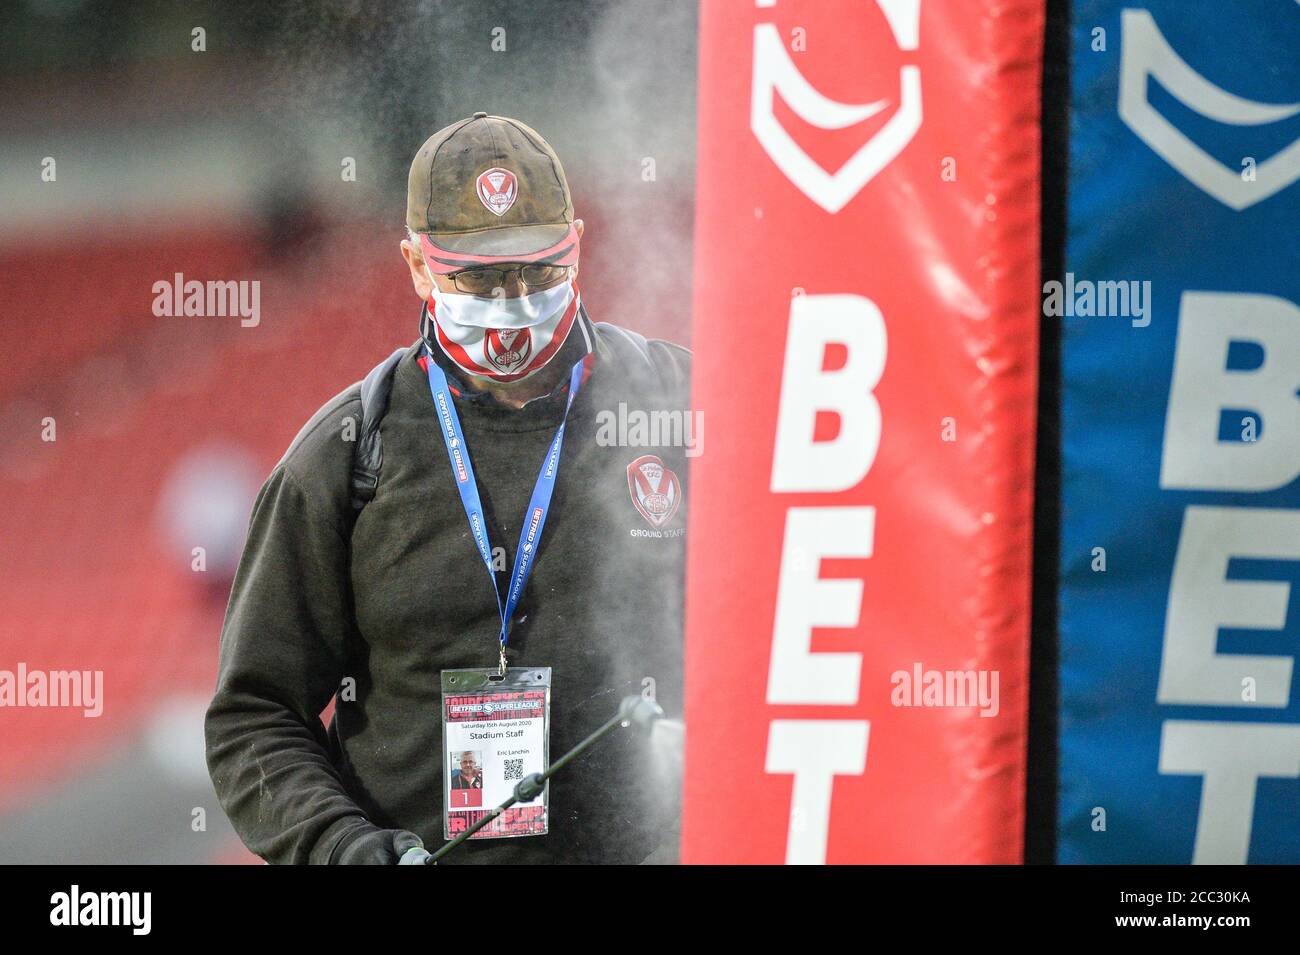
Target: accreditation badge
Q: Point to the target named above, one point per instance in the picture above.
(495, 731)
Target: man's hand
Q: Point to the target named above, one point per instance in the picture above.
(372, 846)
(415, 856)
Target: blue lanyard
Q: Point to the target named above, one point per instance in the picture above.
(538, 506)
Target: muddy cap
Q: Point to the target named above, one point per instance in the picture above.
(489, 189)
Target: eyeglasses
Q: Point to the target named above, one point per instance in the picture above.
(484, 281)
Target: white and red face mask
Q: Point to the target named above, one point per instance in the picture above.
(505, 339)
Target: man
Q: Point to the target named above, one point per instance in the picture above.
(381, 603)
(467, 777)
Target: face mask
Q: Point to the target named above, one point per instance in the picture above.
(505, 339)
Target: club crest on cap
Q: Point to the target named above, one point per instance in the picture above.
(497, 190)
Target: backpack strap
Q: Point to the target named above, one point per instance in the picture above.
(636, 342)
(369, 455)
(666, 363)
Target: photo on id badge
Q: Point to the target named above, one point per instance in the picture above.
(495, 733)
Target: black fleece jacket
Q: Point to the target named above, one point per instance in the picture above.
(387, 602)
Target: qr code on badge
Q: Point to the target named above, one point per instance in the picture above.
(514, 769)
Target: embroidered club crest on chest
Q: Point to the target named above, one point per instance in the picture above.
(656, 491)
(497, 189)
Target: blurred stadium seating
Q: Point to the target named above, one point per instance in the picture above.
(86, 580)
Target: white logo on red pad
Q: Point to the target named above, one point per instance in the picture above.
(776, 73)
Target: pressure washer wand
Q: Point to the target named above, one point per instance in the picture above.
(635, 711)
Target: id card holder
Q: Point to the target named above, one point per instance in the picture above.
(495, 732)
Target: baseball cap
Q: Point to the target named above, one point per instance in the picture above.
(490, 189)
